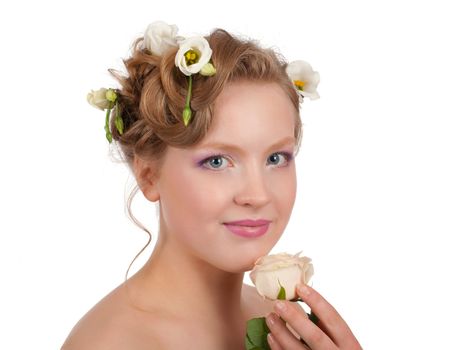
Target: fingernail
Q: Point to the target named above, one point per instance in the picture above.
(303, 289)
(280, 306)
(270, 319)
(270, 338)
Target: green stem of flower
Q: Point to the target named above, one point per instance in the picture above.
(187, 113)
(107, 122)
(189, 92)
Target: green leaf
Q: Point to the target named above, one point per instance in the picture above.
(256, 334)
(249, 345)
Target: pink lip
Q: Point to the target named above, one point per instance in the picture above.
(248, 228)
(248, 222)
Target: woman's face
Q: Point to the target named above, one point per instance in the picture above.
(242, 170)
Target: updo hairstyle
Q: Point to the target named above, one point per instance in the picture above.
(153, 92)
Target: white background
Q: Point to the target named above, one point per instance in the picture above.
(384, 174)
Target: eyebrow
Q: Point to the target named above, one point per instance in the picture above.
(230, 147)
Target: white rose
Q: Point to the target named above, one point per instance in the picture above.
(159, 37)
(304, 77)
(193, 54)
(98, 98)
(273, 271)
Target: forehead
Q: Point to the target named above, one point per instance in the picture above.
(251, 114)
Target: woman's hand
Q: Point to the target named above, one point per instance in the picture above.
(330, 332)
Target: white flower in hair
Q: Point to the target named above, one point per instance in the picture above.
(193, 54)
(98, 98)
(159, 37)
(304, 78)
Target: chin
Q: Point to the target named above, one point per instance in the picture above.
(240, 263)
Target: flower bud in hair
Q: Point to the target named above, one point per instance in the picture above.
(111, 95)
(208, 70)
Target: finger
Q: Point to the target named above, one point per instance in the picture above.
(274, 345)
(309, 332)
(329, 319)
(284, 339)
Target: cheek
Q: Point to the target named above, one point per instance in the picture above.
(190, 199)
(286, 190)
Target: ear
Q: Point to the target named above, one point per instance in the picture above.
(146, 174)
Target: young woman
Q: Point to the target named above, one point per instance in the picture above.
(210, 134)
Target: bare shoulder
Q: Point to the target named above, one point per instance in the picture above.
(111, 324)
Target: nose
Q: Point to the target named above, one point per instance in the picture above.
(253, 189)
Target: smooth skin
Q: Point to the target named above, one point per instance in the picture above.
(330, 332)
(192, 284)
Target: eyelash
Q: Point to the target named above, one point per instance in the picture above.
(288, 156)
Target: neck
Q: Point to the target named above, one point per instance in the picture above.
(192, 289)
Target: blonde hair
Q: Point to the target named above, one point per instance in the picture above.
(153, 91)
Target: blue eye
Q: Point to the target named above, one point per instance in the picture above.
(275, 159)
(214, 162)
(217, 161)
